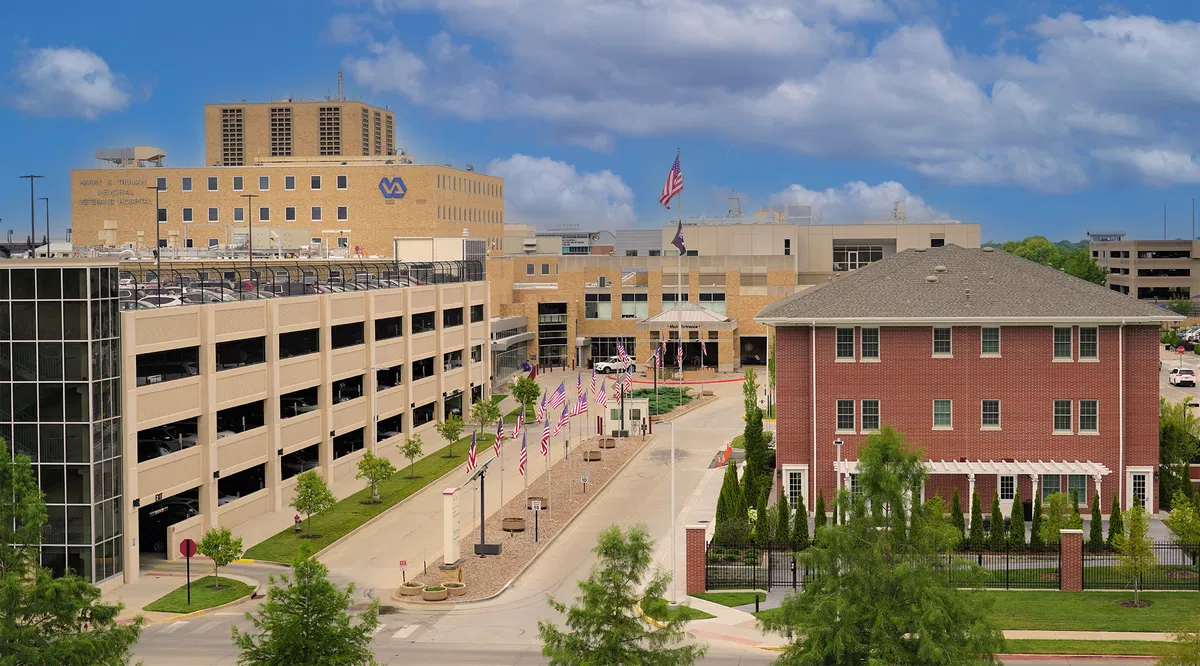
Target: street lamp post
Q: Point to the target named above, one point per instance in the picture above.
(32, 231)
(250, 236)
(837, 444)
(47, 200)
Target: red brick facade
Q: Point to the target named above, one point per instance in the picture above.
(1070, 575)
(1024, 377)
(695, 564)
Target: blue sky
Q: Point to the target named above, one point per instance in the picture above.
(1025, 116)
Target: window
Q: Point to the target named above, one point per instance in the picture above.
(1050, 485)
(597, 306)
(850, 257)
(422, 369)
(239, 214)
(422, 322)
(343, 213)
(264, 214)
(845, 343)
(212, 215)
(315, 212)
(1089, 416)
(264, 183)
(941, 414)
(1008, 484)
(476, 313)
(635, 306)
(787, 247)
(1077, 488)
(160, 184)
(795, 486)
(855, 488)
(346, 335)
(941, 342)
(1089, 343)
(990, 341)
(870, 415)
(238, 183)
(388, 328)
(991, 414)
(187, 214)
(341, 183)
(314, 182)
(162, 214)
(299, 343)
(713, 301)
(545, 269)
(845, 416)
(870, 342)
(214, 242)
(452, 317)
(529, 269)
(1062, 343)
(937, 242)
(212, 183)
(1062, 416)
(1139, 490)
(187, 184)
(289, 182)
(289, 214)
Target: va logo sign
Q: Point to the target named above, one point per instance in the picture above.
(392, 188)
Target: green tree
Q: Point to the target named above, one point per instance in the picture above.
(1134, 550)
(996, 533)
(1038, 249)
(1035, 526)
(451, 430)
(800, 523)
(375, 469)
(1081, 264)
(412, 450)
(307, 620)
(1096, 527)
(1183, 522)
(882, 597)
(750, 391)
(525, 391)
(975, 537)
(783, 521)
(1076, 518)
(1016, 520)
(733, 523)
(1060, 515)
(819, 517)
(957, 519)
(1116, 523)
(485, 413)
(219, 545)
(603, 626)
(1178, 429)
(1180, 305)
(44, 619)
(762, 521)
(312, 497)
(756, 450)
(771, 361)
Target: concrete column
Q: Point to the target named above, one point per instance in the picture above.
(970, 498)
(272, 472)
(1034, 493)
(695, 562)
(1097, 478)
(1071, 572)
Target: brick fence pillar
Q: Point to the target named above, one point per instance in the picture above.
(1070, 576)
(694, 574)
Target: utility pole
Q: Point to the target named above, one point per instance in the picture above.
(47, 200)
(32, 231)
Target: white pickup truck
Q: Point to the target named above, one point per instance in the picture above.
(614, 364)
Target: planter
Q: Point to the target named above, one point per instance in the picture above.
(545, 503)
(608, 443)
(434, 594)
(513, 524)
(411, 589)
(456, 589)
(592, 456)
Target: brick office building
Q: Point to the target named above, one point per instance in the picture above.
(1002, 371)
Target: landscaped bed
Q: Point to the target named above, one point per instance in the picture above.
(658, 609)
(204, 595)
(731, 599)
(358, 508)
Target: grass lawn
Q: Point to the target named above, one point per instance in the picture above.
(498, 398)
(1022, 646)
(739, 442)
(658, 610)
(511, 417)
(203, 595)
(1091, 611)
(358, 508)
(730, 599)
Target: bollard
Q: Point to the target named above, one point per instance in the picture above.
(297, 524)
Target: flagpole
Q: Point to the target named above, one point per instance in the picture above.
(501, 471)
(567, 450)
(679, 312)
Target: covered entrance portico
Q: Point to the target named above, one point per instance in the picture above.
(1006, 473)
(688, 325)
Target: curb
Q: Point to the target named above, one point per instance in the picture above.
(1078, 657)
(697, 403)
(707, 381)
(197, 613)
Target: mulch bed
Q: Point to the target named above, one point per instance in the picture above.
(1129, 603)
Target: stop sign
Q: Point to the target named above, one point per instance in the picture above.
(1179, 350)
(187, 548)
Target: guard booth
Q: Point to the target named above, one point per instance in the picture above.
(636, 409)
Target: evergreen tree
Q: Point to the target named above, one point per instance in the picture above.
(1115, 524)
(725, 498)
(1016, 521)
(899, 521)
(733, 526)
(819, 516)
(800, 523)
(957, 520)
(762, 521)
(783, 521)
(1035, 526)
(756, 450)
(996, 533)
(1076, 517)
(1096, 530)
(975, 538)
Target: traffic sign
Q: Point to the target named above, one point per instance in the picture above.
(1179, 350)
(536, 505)
(187, 548)
(404, 565)
(583, 478)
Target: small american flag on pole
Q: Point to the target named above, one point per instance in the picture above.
(471, 461)
(593, 389)
(621, 353)
(562, 420)
(541, 413)
(702, 352)
(627, 382)
(616, 389)
(524, 457)
(579, 386)
(499, 436)
(602, 396)
(559, 397)
(674, 184)
(546, 438)
(519, 424)
(679, 353)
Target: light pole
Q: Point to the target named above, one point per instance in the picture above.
(672, 508)
(47, 200)
(837, 444)
(157, 240)
(32, 232)
(250, 236)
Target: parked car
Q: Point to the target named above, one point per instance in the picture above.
(298, 465)
(615, 364)
(1182, 377)
(163, 301)
(295, 406)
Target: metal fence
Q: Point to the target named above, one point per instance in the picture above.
(774, 566)
(1016, 567)
(1176, 569)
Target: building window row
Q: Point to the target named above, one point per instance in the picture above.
(943, 416)
(238, 183)
(459, 214)
(868, 344)
(315, 213)
(1089, 417)
(846, 416)
(989, 345)
(469, 185)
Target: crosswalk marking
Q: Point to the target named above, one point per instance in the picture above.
(175, 626)
(205, 627)
(405, 632)
(378, 629)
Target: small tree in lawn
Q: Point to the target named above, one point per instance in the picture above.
(957, 519)
(1016, 521)
(1184, 522)
(220, 546)
(783, 521)
(1076, 518)
(800, 524)
(733, 523)
(1115, 523)
(604, 626)
(819, 517)
(756, 450)
(451, 429)
(1096, 527)
(1035, 526)
(375, 469)
(485, 413)
(525, 391)
(996, 533)
(1059, 516)
(312, 497)
(750, 391)
(307, 620)
(1135, 551)
(975, 539)
(412, 450)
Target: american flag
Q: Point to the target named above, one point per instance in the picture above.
(562, 421)
(621, 353)
(602, 396)
(519, 424)
(678, 240)
(580, 407)
(499, 436)
(546, 438)
(559, 397)
(593, 389)
(524, 457)
(471, 462)
(679, 353)
(702, 352)
(579, 386)
(616, 390)
(674, 184)
(541, 413)
(628, 381)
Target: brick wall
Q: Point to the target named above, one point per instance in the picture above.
(1071, 572)
(1025, 378)
(695, 559)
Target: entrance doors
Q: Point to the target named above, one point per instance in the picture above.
(1007, 484)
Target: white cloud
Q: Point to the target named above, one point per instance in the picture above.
(542, 191)
(1155, 167)
(68, 81)
(799, 76)
(858, 202)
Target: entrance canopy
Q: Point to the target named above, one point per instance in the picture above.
(694, 318)
(1009, 467)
